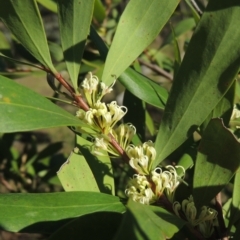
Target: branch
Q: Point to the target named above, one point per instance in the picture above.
(196, 7)
(157, 69)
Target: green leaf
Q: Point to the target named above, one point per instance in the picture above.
(4, 43)
(202, 80)
(177, 53)
(193, 10)
(149, 123)
(20, 62)
(49, 4)
(235, 203)
(144, 88)
(99, 11)
(182, 27)
(76, 175)
(101, 166)
(24, 110)
(99, 225)
(143, 222)
(218, 159)
(139, 85)
(74, 20)
(223, 109)
(56, 51)
(138, 26)
(24, 20)
(42, 212)
(135, 114)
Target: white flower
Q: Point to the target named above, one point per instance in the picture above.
(141, 157)
(90, 83)
(124, 134)
(106, 89)
(117, 112)
(93, 89)
(167, 181)
(206, 220)
(139, 190)
(81, 114)
(101, 143)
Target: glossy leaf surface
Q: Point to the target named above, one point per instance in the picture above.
(24, 110)
(99, 11)
(49, 4)
(24, 20)
(148, 222)
(74, 21)
(42, 212)
(203, 80)
(181, 28)
(217, 161)
(139, 85)
(144, 88)
(101, 166)
(138, 26)
(76, 175)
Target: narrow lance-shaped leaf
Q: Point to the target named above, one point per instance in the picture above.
(136, 83)
(45, 212)
(139, 24)
(49, 4)
(144, 88)
(74, 20)
(182, 27)
(21, 109)
(217, 160)
(99, 11)
(203, 77)
(235, 203)
(24, 20)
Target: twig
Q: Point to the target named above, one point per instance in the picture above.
(157, 69)
(197, 8)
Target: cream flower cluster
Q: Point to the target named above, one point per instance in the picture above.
(102, 118)
(147, 185)
(140, 187)
(205, 221)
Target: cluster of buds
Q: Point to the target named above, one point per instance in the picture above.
(141, 157)
(204, 222)
(102, 118)
(148, 184)
(147, 189)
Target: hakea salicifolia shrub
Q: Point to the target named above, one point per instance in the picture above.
(148, 185)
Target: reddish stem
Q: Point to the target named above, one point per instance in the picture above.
(80, 103)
